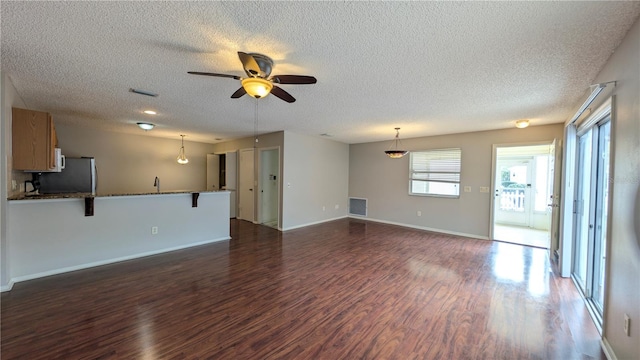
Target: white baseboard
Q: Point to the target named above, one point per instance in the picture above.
(105, 262)
(313, 223)
(7, 287)
(606, 348)
(473, 236)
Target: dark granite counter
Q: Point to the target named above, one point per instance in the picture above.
(88, 195)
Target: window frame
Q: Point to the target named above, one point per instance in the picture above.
(412, 172)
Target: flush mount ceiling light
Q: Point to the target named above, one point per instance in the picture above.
(257, 87)
(521, 124)
(182, 158)
(394, 151)
(150, 112)
(145, 126)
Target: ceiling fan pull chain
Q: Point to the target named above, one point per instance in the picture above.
(255, 124)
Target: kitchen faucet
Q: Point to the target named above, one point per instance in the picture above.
(156, 183)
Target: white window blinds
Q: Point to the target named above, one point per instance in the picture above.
(435, 172)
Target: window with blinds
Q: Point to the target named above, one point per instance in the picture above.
(435, 172)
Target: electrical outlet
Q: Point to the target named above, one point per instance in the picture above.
(419, 213)
(154, 230)
(467, 189)
(324, 208)
(627, 325)
(337, 206)
(14, 185)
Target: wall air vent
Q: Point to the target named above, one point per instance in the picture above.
(358, 206)
(143, 92)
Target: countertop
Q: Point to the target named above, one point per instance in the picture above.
(24, 196)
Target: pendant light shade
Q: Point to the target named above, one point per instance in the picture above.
(395, 151)
(182, 158)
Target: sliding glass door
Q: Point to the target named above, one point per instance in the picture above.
(591, 213)
(601, 214)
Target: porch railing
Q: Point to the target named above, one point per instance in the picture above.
(512, 200)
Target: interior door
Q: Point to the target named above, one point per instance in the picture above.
(246, 184)
(554, 197)
(268, 196)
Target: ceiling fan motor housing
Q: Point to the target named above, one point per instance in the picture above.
(265, 64)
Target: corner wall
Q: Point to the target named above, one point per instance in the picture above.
(315, 179)
(385, 182)
(8, 98)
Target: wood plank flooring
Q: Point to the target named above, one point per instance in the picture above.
(346, 289)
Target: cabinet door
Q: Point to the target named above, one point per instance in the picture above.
(33, 140)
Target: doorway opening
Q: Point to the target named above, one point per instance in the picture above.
(523, 194)
(222, 175)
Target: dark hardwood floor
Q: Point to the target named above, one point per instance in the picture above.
(347, 289)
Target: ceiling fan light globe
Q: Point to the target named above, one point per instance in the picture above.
(257, 87)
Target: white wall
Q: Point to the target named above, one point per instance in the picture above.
(623, 260)
(9, 98)
(53, 236)
(129, 163)
(316, 175)
(385, 182)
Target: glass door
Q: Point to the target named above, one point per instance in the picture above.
(591, 214)
(601, 214)
(581, 211)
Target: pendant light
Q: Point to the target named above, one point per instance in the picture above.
(182, 158)
(394, 151)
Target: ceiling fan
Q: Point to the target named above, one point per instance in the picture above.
(259, 83)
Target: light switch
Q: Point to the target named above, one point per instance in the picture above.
(467, 189)
(484, 189)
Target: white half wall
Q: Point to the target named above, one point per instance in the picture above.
(48, 237)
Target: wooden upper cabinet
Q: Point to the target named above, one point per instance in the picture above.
(34, 140)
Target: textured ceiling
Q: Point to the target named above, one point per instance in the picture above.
(428, 67)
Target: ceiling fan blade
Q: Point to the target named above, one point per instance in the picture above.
(294, 79)
(249, 64)
(214, 74)
(278, 92)
(239, 93)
